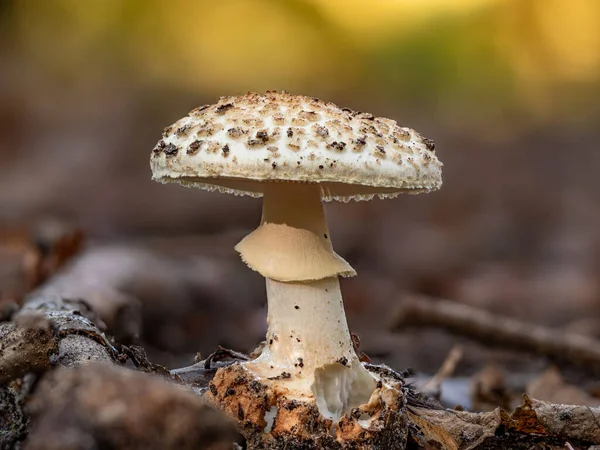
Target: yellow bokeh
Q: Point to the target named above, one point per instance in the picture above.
(573, 39)
(550, 40)
(318, 45)
(239, 43)
(370, 21)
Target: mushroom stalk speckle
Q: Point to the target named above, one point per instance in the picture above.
(308, 350)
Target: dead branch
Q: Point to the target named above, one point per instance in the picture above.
(98, 280)
(116, 280)
(492, 329)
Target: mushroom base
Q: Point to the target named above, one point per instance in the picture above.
(268, 419)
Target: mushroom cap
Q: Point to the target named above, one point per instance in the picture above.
(242, 142)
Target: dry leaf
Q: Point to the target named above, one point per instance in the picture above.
(551, 387)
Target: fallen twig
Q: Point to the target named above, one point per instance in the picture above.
(495, 330)
(199, 375)
(221, 353)
(446, 370)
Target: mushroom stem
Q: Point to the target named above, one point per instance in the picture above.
(296, 205)
(292, 243)
(308, 345)
(307, 326)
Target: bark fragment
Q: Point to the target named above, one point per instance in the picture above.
(105, 406)
(26, 345)
(13, 420)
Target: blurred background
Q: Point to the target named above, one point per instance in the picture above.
(508, 89)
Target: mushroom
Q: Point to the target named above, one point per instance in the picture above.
(297, 152)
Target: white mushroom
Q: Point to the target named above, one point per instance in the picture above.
(296, 152)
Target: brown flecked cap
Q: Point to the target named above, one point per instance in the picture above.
(238, 144)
